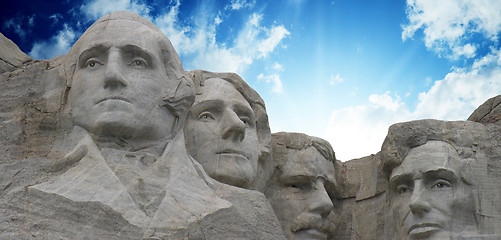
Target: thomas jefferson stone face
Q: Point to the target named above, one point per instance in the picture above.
(220, 133)
(428, 197)
(299, 197)
(119, 83)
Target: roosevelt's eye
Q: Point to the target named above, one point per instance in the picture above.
(300, 185)
(441, 184)
(402, 189)
(206, 116)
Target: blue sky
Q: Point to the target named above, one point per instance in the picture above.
(343, 70)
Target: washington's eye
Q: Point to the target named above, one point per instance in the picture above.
(139, 63)
(441, 184)
(206, 116)
(91, 63)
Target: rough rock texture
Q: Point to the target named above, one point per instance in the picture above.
(61, 181)
(11, 57)
(488, 112)
(360, 199)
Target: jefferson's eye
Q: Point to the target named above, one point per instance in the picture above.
(206, 116)
(441, 184)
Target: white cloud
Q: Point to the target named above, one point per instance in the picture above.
(273, 78)
(359, 131)
(449, 25)
(208, 54)
(55, 18)
(274, 37)
(97, 8)
(278, 66)
(238, 4)
(218, 20)
(336, 79)
(16, 25)
(56, 45)
(453, 98)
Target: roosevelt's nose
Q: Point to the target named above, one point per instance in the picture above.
(114, 74)
(233, 127)
(319, 201)
(418, 203)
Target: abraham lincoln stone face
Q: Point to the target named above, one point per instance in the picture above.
(428, 198)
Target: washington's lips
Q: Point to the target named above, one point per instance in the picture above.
(423, 228)
(232, 152)
(113, 98)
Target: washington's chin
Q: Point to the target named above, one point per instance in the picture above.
(121, 124)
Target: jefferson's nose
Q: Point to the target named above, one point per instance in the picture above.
(418, 203)
(114, 74)
(233, 127)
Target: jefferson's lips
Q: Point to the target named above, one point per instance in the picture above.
(422, 228)
(114, 98)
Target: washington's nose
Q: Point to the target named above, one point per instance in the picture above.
(418, 203)
(320, 202)
(233, 127)
(114, 77)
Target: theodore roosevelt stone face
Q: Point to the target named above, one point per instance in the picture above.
(298, 193)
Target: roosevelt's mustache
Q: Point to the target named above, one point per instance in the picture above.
(312, 221)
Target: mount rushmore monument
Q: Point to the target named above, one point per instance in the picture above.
(115, 140)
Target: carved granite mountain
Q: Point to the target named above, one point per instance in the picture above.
(87, 153)
(91, 146)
